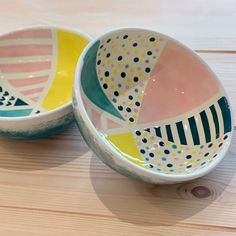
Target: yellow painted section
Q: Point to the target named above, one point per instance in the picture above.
(125, 144)
(70, 46)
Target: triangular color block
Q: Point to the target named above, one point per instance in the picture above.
(19, 102)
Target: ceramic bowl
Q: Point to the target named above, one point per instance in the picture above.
(37, 68)
(150, 108)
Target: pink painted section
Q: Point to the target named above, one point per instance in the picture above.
(179, 83)
(25, 50)
(32, 33)
(95, 115)
(96, 119)
(112, 125)
(25, 67)
(85, 104)
(28, 81)
(34, 99)
(32, 91)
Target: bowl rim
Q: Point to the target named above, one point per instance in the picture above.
(105, 145)
(67, 105)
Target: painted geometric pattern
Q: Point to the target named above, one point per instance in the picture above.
(155, 101)
(131, 64)
(35, 70)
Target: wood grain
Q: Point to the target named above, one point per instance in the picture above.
(57, 186)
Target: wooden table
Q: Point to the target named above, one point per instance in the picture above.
(57, 186)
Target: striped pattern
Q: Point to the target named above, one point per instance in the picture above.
(25, 50)
(25, 67)
(202, 128)
(225, 111)
(206, 126)
(169, 133)
(216, 121)
(181, 132)
(27, 81)
(194, 130)
(158, 131)
(32, 33)
(26, 61)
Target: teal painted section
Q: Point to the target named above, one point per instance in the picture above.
(169, 133)
(7, 100)
(216, 120)
(180, 129)
(91, 85)
(51, 128)
(158, 131)
(225, 110)
(206, 126)
(194, 130)
(15, 113)
(19, 102)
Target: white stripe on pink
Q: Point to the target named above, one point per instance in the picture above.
(25, 67)
(25, 50)
(35, 99)
(30, 33)
(28, 81)
(32, 91)
(17, 52)
(14, 60)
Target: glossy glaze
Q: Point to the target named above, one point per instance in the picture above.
(37, 67)
(154, 102)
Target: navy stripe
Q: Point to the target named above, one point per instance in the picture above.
(147, 129)
(225, 110)
(181, 133)
(158, 131)
(216, 120)
(194, 131)
(206, 126)
(169, 133)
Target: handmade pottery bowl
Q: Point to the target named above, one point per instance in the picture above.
(37, 68)
(150, 108)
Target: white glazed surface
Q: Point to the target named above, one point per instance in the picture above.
(42, 121)
(98, 142)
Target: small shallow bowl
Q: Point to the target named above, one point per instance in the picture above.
(150, 108)
(37, 68)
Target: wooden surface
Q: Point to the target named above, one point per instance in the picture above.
(57, 186)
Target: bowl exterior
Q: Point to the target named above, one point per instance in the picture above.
(107, 157)
(37, 127)
(37, 70)
(179, 141)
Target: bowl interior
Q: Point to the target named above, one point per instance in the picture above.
(37, 69)
(155, 102)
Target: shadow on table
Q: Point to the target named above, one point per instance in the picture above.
(29, 155)
(153, 205)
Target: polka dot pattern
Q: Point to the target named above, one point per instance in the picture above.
(167, 157)
(125, 69)
(130, 68)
